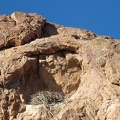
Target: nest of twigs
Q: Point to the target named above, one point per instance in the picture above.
(46, 97)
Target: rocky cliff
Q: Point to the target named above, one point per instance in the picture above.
(52, 72)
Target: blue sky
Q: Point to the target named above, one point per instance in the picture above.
(100, 16)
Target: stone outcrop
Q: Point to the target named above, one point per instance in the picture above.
(19, 28)
(48, 71)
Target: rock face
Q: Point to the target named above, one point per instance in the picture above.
(49, 72)
(19, 28)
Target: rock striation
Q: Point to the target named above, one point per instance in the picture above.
(52, 72)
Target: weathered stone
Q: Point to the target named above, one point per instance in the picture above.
(76, 72)
(20, 28)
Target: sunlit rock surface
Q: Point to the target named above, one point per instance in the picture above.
(48, 71)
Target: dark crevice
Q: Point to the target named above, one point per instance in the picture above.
(76, 36)
(38, 66)
(1, 89)
(117, 84)
(49, 30)
(63, 53)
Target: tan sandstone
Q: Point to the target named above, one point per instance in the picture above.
(52, 72)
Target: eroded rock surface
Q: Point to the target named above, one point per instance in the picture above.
(20, 28)
(57, 72)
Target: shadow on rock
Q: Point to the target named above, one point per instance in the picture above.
(49, 30)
